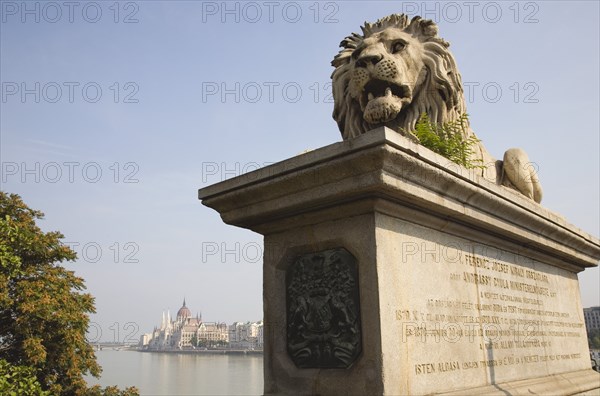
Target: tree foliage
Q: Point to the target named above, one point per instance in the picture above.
(44, 313)
(111, 391)
(594, 339)
(19, 381)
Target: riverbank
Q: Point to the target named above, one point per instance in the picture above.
(205, 351)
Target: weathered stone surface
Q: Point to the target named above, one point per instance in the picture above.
(464, 286)
(398, 69)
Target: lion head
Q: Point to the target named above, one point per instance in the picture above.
(391, 74)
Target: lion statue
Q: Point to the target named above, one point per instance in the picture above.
(396, 71)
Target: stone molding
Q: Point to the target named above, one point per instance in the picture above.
(383, 169)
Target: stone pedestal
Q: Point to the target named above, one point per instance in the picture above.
(388, 270)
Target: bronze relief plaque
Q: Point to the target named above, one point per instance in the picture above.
(323, 310)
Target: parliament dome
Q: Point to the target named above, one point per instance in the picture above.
(184, 312)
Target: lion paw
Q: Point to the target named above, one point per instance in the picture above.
(520, 174)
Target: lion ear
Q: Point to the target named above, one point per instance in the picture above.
(423, 27)
(351, 41)
(348, 45)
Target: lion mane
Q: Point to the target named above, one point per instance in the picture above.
(395, 71)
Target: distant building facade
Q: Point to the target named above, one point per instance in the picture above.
(187, 332)
(592, 318)
(247, 335)
(184, 332)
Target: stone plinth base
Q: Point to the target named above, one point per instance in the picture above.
(388, 270)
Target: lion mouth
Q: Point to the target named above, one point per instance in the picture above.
(381, 100)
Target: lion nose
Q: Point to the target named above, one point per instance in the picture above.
(368, 58)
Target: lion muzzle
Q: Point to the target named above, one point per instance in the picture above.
(383, 108)
(380, 96)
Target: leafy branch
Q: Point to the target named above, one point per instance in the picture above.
(448, 139)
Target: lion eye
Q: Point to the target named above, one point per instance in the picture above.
(398, 46)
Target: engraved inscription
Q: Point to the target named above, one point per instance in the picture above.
(323, 310)
(497, 307)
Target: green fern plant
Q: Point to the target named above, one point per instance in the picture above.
(448, 140)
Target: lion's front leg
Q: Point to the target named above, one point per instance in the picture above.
(520, 174)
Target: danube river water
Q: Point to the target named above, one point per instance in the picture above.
(181, 374)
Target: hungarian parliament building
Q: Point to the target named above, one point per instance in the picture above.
(189, 332)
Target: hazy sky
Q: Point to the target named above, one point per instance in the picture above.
(114, 114)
